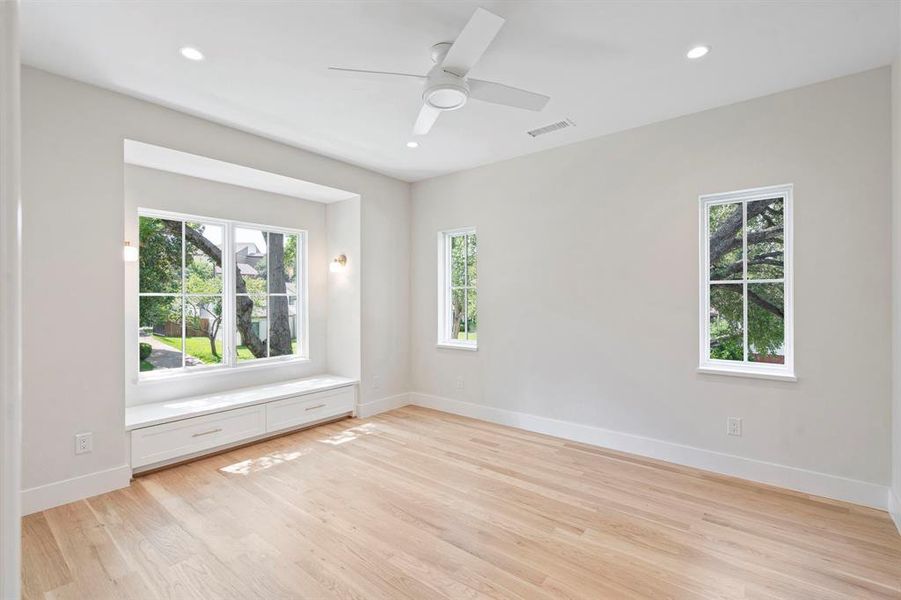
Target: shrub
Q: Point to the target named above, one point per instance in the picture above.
(146, 349)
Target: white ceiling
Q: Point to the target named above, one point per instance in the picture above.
(607, 65)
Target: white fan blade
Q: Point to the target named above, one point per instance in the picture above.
(498, 93)
(365, 72)
(427, 117)
(472, 42)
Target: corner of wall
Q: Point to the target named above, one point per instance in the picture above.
(894, 508)
(895, 491)
(62, 492)
(370, 409)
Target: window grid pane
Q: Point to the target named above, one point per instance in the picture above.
(203, 341)
(762, 320)
(459, 280)
(195, 326)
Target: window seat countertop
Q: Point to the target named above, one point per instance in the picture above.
(146, 415)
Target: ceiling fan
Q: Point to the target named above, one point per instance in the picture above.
(446, 86)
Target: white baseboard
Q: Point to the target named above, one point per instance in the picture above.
(894, 508)
(369, 409)
(69, 490)
(802, 480)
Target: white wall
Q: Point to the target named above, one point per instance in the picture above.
(10, 304)
(385, 306)
(74, 223)
(588, 280)
(343, 235)
(895, 499)
(162, 190)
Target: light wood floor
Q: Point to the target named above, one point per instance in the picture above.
(420, 504)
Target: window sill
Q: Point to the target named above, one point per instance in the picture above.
(457, 346)
(218, 370)
(746, 372)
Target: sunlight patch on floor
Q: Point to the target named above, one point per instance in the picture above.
(350, 434)
(252, 465)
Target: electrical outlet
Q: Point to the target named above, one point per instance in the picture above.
(84, 442)
(733, 426)
(459, 384)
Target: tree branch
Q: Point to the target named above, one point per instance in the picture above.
(757, 299)
(736, 267)
(724, 240)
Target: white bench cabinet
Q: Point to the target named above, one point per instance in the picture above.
(167, 432)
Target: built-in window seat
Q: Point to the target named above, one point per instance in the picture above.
(163, 433)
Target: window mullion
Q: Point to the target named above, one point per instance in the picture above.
(744, 276)
(183, 293)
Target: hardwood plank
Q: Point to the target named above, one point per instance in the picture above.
(43, 565)
(415, 503)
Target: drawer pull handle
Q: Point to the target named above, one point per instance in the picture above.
(217, 430)
(314, 407)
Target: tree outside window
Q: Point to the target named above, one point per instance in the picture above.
(182, 293)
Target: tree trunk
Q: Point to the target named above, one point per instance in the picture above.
(243, 304)
(456, 319)
(211, 333)
(244, 322)
(280, 321)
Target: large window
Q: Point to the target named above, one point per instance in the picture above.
(746, 284)
(216, 294)
(458, 307)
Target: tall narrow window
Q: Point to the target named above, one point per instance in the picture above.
(217, 293)
(458, 318)
(746, 309)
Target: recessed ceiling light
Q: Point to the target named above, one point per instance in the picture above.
(698, 52)
(191, 53)
(412, 144)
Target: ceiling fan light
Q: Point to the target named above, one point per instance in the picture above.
(445, 97)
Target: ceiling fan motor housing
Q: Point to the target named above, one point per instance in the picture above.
(445, 91)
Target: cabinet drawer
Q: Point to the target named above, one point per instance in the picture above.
(292, 412)
(172, 440)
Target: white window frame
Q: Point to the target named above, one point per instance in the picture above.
(229, 326)
(745, 368)
(444, 289)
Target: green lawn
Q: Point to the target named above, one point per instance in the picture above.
(474, 335)
(199, 347)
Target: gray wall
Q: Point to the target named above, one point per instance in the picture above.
(588, 297)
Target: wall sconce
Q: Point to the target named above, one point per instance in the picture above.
(338, 264)
(129, 252)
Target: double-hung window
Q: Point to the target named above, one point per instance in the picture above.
(218, 294)
(746, 283)
(458, 314)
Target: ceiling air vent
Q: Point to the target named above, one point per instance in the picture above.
(552, 127)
